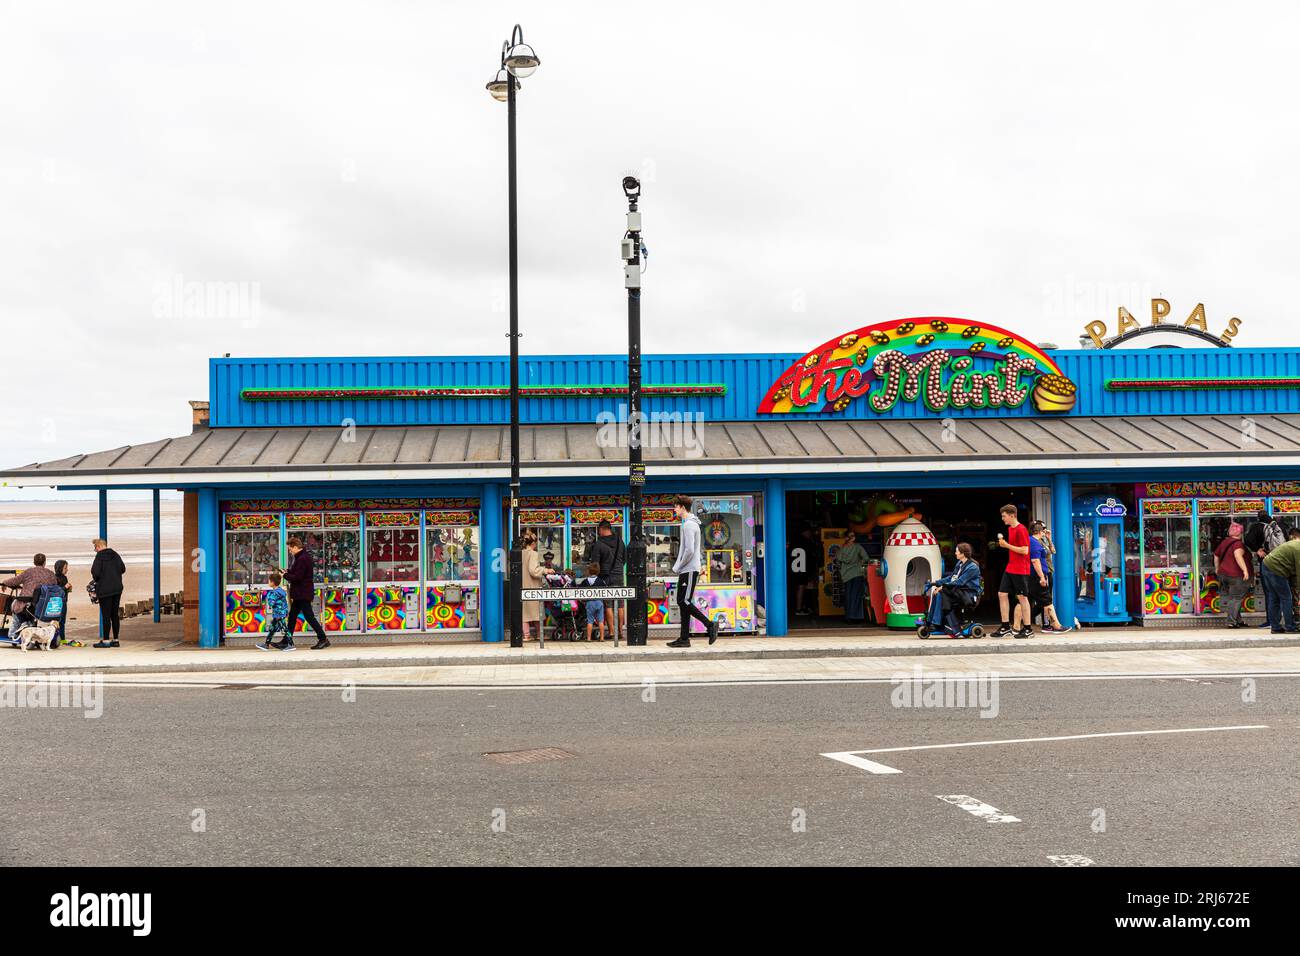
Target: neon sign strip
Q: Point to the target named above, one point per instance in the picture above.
(1196, 384)
(372, 393)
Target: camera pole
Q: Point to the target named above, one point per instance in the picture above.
(637, 626)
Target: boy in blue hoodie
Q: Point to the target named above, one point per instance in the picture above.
(277, 605)
(687, 568)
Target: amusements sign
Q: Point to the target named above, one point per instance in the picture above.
(945, 363)
(1216, 489)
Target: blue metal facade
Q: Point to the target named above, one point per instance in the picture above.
(746, 376)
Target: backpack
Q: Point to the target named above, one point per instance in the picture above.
(1274, 537)
(49, 602)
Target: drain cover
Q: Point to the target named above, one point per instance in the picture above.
(536, 755)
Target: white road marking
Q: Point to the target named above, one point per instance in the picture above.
(363, 681)
(1070, 859)
(978, 808)
(1034, 740)
(853, 760)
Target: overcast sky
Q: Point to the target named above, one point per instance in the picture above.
(808, 168)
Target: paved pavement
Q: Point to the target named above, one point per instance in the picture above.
(699, 774)
(143, 656)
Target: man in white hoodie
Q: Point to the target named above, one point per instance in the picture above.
(687, 568)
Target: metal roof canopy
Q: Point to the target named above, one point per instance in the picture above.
(481, 452)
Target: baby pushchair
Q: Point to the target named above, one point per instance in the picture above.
(36, 626)
(565, 614)
(958, 622)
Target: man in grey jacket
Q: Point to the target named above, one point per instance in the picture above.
(687, 568)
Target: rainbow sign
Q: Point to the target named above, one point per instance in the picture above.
(946, 363)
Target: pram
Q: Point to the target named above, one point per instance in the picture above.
(36, 626)
(959, 621)
(565, 613)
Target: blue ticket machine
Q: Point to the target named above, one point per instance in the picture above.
(1098, 540)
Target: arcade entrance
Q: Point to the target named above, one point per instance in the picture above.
(930, 522)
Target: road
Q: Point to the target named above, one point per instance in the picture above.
(701, 774)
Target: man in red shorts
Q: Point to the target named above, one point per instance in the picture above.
(1015, 579)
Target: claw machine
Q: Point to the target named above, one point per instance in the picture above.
(583, 523)
(252, 549)
(451, 555)
(661, 533)
(1168, 574)
(1213, 516)
(334, 540)
(393, 571)
(548, 524)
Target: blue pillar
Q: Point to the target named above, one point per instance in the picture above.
(103, 533)
(157, 556)
(491, 572)
(209, 568)
(774, 557)
(1063, 535)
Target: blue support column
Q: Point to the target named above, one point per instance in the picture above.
(774, 557)
(157, 556)
(491, 573)
(1063, 586)
(103, 533)
(209, 568)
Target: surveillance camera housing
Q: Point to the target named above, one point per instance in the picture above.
(631, 185)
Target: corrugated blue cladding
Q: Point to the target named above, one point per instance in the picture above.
(747, 377)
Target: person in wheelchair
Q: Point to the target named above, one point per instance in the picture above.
(958, 591)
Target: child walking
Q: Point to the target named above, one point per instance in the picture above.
(277, 605)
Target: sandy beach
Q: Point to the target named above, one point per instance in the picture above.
(64, 529)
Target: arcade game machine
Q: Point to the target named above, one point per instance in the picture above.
(583, 523)
(661, 532)
(726, 589)
(1167, 573)
(334, 539)
(1213, 516)
(830, 589)
(1098, 541)
(548, 525)
(393, 571)
(252, 548)
(451, 553)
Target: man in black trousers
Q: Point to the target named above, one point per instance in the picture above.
(301, 575)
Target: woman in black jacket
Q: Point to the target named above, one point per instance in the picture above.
(106, 572)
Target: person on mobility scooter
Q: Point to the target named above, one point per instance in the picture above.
(953, 599)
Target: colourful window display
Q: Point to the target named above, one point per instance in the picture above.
(451, 554)
(251, 551)
(1179, 535)
(370, 571)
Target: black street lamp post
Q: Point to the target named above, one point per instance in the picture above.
(517, 60)
(632, 249)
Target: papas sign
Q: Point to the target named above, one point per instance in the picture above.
(945, 363)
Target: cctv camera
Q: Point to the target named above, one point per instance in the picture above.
(631, 186)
